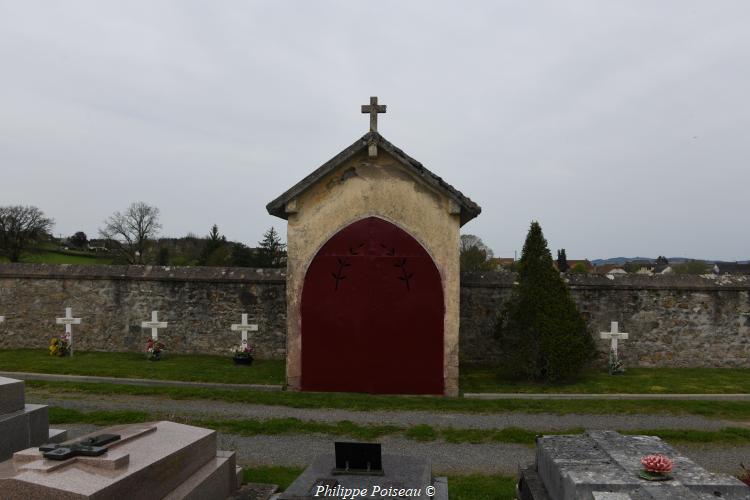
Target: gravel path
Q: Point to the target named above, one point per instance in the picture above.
(447, 458)
(226, 410)
(299, 450)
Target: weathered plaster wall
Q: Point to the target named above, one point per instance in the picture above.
(199, 303)
(672, 320)
(380, 187)
(675, 321)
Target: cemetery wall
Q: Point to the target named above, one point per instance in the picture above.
(672, 320)
(199, 304)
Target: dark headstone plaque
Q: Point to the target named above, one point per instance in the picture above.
(358, 459)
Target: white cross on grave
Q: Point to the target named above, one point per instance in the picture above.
(2, 318)
(244, 327)
(614, 335)
(154, 324)
(69, 321)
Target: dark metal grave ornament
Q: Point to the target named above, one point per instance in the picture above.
(358, 459)
(89, 447)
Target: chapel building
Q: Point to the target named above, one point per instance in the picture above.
(373, 283)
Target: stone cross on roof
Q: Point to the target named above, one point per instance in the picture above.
(373, 109)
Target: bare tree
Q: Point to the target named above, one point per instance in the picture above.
(474, 254)
(21, 227)
(469, 240)
(130, 231)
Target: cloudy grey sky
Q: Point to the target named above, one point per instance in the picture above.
(621, 126)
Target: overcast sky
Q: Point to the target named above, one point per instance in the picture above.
(622, 127)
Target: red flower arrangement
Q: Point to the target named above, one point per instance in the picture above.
(657, 463)
(656, 467)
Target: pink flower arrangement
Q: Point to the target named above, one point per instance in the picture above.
(154, 349)
(245, 350)
(657, 464)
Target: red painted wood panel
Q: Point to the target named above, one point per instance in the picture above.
(372, 314)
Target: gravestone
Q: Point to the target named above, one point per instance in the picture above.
(599, 465)
(154, 324)
(22, 425)
(244, 327)
(613, 335)
(156, 460)
(614, 364)
(388, 476)
(69, 321)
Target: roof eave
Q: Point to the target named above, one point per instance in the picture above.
(469, 209)
(277, 207)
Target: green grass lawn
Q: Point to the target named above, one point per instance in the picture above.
(476, 378)
(481, 487)
(372, 432)
(271, 474)
(186, 367)
(730, 410)
(205, 368)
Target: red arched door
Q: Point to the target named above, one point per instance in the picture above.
(372, 314)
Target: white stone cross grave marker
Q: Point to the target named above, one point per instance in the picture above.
(2, 318)
(69, 321)
(614, 335)
(154, 324)
(244, 327)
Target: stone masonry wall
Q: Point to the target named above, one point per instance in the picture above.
(672, 320)
(199, 303)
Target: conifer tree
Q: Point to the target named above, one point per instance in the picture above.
(214, 242)
(272, 250)
(542, 334)
(562, 261)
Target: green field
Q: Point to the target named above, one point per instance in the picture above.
(47, 256)
(64, 258)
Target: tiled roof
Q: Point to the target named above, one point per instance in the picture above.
(469, 209)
